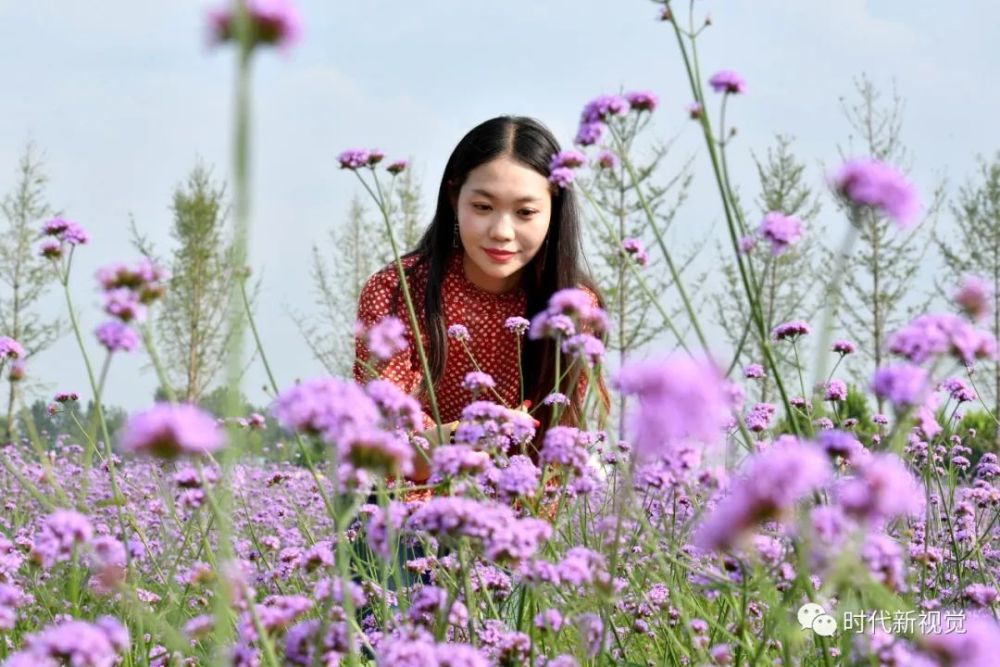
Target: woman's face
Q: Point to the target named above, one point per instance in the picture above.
(502, 206)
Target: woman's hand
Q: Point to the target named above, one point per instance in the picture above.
(421, 457)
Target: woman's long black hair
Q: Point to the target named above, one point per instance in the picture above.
(556, 266)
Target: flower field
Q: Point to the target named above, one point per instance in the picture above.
(740, 507)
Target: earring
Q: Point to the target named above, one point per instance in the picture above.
(454, 236)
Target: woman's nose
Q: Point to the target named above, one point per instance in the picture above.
(502, 227)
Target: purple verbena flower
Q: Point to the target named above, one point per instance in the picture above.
(354, 158)
(753, 371)
(562, 177)
(607, 160)
(478, 382)
(387, 338)
(835, 390)
(117, 337)
(642, 100)
(458, 332)
(168, 430)
(680, 398)
(903, 385)
(589, 134)
(567, 158)
(933, 335)
(781, 231)
(728, 81)
(602, 107)
(773, 481)
(791, 330)
(883, 488)
(516, 325)
(274, 22)
(974, 297)
(634, 248)
(844, 347)
(869, 182)
(10, 348)
(397, 166)
(759, 417)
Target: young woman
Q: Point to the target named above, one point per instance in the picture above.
(503, 239)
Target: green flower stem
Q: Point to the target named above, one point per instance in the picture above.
(96, 391)
(161, 373)
(675, 276)
(89, 434)
(731, 223)
(303, 450)
(410, 311)
(635, 271)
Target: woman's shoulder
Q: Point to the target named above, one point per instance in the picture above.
(387, 278)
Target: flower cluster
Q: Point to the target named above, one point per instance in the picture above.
(634, 248)
(791, 330)
(492, 427)
(868, 182)
(502, 535)
(561, 167)
(601, 109)
(359, 158)
(271, 22)
(774, 481)
(169, 430)
(728, 82)
(781, 231)
(386, 338)
(570, 311)
(60, 234)
(366, 425)
(930, 336)
(680, 399)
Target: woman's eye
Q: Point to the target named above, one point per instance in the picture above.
(527, 212)
(481, 207)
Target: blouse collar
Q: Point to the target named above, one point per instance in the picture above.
(456, 275)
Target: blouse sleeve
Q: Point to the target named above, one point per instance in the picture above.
(581, 387)
(401, 369)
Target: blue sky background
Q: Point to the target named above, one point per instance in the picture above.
(123, 97)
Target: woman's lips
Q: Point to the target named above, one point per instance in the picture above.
(499, 255)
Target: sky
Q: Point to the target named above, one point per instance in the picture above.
(123, 98)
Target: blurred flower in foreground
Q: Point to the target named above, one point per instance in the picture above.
(273, 21)
(869, 182)
(781, 231)
(679, 399)
(773, 482)
(168, 430)
(728, 81)
(974, 297)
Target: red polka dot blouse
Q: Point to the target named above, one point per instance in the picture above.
(493, 347)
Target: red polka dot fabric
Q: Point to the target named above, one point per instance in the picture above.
(493, 348)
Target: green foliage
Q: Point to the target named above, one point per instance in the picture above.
(876, 285)
(787, 282)
(69, 419)
(355, 251)
(979, 433)
(191, 322)
(974, 247)
(24, 275)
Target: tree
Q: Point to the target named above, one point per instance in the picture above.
(879, 273)
(25, 274)
(358, 248)
(787, 280)
(638, 314)
(191, 323)
(975, 248)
